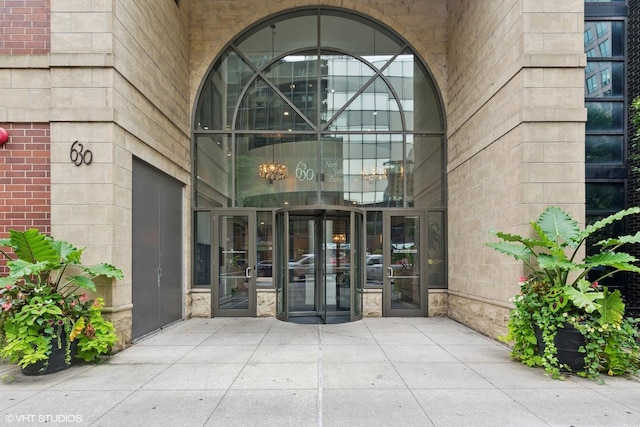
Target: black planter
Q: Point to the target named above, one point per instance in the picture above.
(56, 361)
(567, 340)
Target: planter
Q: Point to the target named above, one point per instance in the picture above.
(56, 361)
(567, 340)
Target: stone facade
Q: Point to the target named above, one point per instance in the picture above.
(515, 139)
(122, 78)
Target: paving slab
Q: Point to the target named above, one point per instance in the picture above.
(263, 372)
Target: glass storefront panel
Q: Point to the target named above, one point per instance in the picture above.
(273, 38)
(604, 39)
(604, 149)
(605, 196)
(264, 249)
(296, 77)
(375, 109)
(428, 177)
(264, 109)
(202, 235)
(605, 116)
(343, 76)
(436, 250)
(408, 77)
(213, 155)
(363, 170)
(603, 79)
(297, 152)
(221, 92)
(374, 264)
(341, 31)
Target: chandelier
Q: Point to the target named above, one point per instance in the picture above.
(272, 171)
(372, 174)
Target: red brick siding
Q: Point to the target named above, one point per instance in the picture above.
(25, 27)
(25, 179)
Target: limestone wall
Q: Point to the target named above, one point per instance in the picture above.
(215, 23)
(515, 139)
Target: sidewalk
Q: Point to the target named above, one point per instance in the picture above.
(263, 372)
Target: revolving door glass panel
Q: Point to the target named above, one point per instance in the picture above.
(319, 285)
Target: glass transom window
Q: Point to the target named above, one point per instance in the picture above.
(337, 105)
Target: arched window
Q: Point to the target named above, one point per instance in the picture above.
(338, 100)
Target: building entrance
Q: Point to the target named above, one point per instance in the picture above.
(320, 264)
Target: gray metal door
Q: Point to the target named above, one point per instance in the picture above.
(156, 249)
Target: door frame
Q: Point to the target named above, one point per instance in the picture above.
(250, 258)
(387, 310)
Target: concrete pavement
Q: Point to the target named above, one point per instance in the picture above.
(263, 372)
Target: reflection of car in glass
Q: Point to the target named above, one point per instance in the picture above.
(265, 268)
(300, 267)
(374, 264)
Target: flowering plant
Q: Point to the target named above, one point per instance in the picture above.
(558, 296)
(44, 302)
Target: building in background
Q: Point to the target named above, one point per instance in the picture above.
(314, 163)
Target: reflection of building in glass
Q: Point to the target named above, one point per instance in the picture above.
(303, 106)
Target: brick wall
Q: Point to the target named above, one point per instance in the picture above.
(633, 80)
(25, 179)
(25, 27)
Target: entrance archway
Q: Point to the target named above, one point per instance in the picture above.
(354, 120)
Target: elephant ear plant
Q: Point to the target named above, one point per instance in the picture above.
(44, 304)
(563, 291)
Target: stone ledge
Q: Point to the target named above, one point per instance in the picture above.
(482, 316)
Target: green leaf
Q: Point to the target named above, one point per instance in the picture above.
(82, 282)
(558, 226)
(550, 262)
(623, 240)
(67, 252)
(4, 281)
(106, 270)
(590, 229)
(20, 268)
(620, 261)
(554, 247)
(519, 252)
(33, 246)
(583, 297)
(612, 308)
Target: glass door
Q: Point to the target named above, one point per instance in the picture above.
(404, 289)
(234, 262)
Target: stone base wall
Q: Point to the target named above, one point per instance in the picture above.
(199, 303)
(483, 316)
(372, 303)
(266, 303)
(121, 319)
(438, 303)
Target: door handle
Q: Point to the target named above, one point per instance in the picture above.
(247, 272)
(390, 272)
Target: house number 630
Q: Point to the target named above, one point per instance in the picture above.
(79, 155)
(303, 173)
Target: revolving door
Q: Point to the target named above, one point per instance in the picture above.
(319, 265)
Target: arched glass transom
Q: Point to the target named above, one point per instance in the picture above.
(340, 101)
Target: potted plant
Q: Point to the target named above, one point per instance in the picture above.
(46, 316)
(564, 319)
